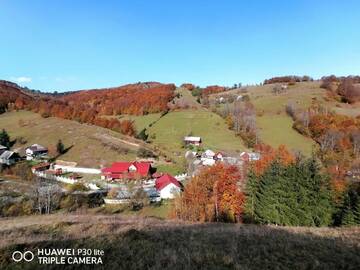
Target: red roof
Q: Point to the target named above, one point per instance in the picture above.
(165, 180)
(121, 169)
(245, 156)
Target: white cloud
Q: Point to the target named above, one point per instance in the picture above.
(21, 79)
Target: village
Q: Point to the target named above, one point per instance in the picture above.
(124, 179)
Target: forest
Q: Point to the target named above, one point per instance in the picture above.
(89, 106)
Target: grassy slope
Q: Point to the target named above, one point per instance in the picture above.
(171, 129)
(143, 121)
(88, 149)
(274, 125)
(147, 243)
(277, 129)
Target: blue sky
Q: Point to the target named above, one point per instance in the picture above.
(66, 45)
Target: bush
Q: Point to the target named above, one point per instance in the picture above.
(145, 153)
(142, 135)
(300, 128)
(25, 207)
(76, 187)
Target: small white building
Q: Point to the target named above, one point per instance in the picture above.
(219, 156)
(208, 154)
(167, 186)
(36, 151)
(208, 162)
(191, 140)
(251, 156)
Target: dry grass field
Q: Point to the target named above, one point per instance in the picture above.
(147, 243)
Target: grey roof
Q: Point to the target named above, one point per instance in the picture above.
(6, 154)
(2, 147)
(37, 147)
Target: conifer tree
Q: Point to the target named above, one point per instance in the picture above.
(5, 139)
(296, 194)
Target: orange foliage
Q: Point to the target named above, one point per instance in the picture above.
(268, 155)
(188, 86)
(212, 195)
(212, 90)
(88, 106)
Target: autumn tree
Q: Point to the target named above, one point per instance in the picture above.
(215, 194)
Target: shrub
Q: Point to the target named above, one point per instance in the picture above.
(145, 153)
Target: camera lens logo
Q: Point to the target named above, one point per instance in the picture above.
(18, 256)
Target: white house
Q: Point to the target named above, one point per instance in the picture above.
(219, 156)
(9, 157)
(251, 156)
(191, 140)
(35, 151)
(167, 186)
(208, 162)
(208, 154)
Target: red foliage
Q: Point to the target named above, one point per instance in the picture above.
(213, 89)
(188, 86)
(213, 195)
(268, 155)
(88, 106)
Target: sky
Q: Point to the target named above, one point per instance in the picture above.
(62, 45)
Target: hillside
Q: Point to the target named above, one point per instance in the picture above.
(91, 145)
(139, 243)
(169, 131)
(275, 127)
(9, 92)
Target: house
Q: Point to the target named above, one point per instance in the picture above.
(167, 186)
(36, 151)
(40, 167)
(9, 157)
(2, 149)
(208, 162)
(251, 156)
(191, 140)
(127, 170)
(208, 154)
(219, 156)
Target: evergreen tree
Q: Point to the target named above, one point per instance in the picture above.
(350, 209)
(251, 199)
(267, 205)
(60, 147)
(295, 195)
(142, 135)
(357, 212)
(5, 139)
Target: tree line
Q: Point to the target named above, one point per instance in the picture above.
(281, 188)
(92, 105)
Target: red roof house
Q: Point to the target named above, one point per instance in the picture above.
(127, 170)
(167, 186)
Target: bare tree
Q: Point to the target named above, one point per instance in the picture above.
(330, 139)
(291, 109)
(355, 139)
(47, 196)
